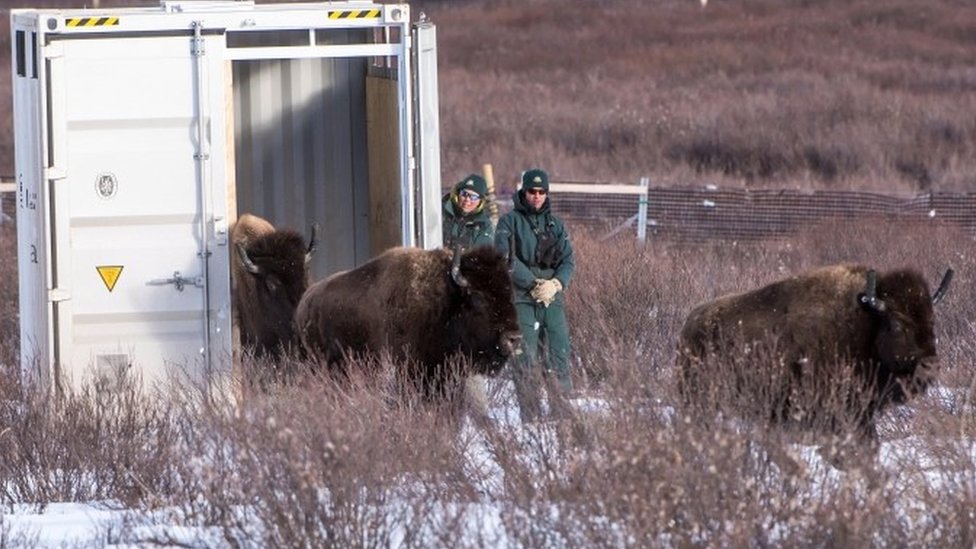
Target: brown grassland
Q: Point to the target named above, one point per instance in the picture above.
(861, 94)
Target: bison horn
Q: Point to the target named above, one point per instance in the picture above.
(869, 298)
(456, 275)
(943, 286)
(246, 260)
(312, 242)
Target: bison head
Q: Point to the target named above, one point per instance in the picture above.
(277, 265)
(904, 333)
(483, 323)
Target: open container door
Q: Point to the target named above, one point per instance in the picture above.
(390, 199)
(427, 135)
(323, 127)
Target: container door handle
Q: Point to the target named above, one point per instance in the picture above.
(178, 280)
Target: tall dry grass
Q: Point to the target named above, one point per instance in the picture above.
(305, 461)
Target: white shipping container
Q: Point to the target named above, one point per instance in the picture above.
(141, 134)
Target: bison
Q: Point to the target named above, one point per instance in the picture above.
(814, 331)
(269, 273)
(425, 308)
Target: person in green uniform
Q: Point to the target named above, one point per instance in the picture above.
(542, 269)
(465, 221)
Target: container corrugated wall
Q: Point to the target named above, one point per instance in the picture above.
(301, 151)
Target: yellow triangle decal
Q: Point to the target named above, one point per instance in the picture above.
(110, 275)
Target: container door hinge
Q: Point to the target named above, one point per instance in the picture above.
(57, 294)
(54, 174)
(220, 230)
(197, 47)
(54, 50)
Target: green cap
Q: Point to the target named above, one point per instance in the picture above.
(535, 179)
(473, 182)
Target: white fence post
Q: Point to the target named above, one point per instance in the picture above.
(642, 210)
(614, 189)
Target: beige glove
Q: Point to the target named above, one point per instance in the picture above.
(545, 290)
(534, 292)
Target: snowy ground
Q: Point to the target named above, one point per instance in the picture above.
(63, 525)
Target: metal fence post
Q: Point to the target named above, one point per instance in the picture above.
(642, 210)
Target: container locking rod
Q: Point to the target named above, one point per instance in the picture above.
(178, 280)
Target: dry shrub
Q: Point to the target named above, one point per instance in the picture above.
(100, 443)
(619, 303)
(9, 291)
(830, 405)
(636, 475)
(326, 462)
(886, 243)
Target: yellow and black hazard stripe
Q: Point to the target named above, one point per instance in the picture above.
(88, 22)
(356, 14)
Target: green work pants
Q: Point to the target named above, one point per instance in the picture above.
(542, 325)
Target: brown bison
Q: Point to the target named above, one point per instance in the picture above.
(809, 328)
(269, 273)
(423, 307)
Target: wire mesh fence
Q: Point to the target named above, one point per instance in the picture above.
(703, 213)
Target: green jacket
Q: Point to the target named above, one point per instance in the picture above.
(527, 226)
(469, 230)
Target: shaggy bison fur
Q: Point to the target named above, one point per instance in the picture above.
(269, 274)
(788, 348)
(424, 308)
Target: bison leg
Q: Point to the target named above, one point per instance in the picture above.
(689, 367)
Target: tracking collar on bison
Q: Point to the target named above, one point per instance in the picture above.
(269, 275)
(841, 322)
(409, 302)
(870, 301)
